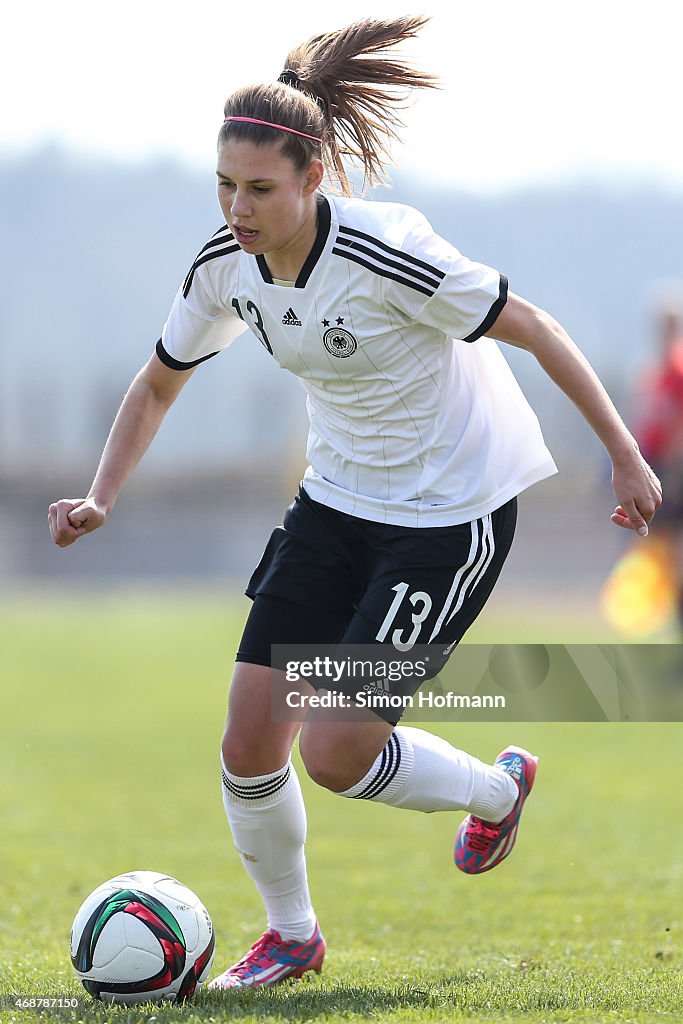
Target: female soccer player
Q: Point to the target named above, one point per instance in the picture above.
(420, 440)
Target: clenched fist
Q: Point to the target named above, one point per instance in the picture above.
(71, 518)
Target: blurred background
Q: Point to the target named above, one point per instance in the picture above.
(551, 153)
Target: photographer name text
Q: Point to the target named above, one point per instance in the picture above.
(371, 698)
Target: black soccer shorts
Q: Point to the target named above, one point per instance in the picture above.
(328, 578)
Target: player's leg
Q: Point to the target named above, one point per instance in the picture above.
(300, 595)
(267, 818)
(415, 769)
(404, 767)
(263, 801)
(339, 746)
(253, 744)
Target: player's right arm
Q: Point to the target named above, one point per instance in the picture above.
(147, 401)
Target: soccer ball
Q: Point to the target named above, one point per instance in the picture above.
(141, 937)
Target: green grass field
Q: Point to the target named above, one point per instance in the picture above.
(112, 712)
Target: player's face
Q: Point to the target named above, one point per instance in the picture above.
(268, 204)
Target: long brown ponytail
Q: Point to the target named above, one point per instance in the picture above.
(340, 87)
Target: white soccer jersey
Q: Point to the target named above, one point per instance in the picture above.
(409, 424)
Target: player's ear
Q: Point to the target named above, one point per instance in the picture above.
(314, 176)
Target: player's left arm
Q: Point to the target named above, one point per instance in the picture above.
(637, 489)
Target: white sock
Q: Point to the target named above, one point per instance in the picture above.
(423, 772)
(267, 819)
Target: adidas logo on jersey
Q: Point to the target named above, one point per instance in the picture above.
(290, 319)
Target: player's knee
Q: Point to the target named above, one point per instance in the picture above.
(242, 754)
(250, 749)
(235, 753)
(330, 776)
(328, 765)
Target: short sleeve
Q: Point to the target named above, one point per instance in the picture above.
(198, 326)
(442, 288)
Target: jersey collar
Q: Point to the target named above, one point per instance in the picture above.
(314, 254)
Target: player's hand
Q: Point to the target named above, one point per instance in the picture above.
(639, 493)
(71, 518)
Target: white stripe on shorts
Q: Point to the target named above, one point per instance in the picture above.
(469, 574)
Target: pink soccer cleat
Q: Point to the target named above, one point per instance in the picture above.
(481, 845)
(272, 959)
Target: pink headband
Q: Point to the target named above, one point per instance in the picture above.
(269, 124)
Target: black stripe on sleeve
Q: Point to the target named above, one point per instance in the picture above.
(395, 264)
(493, 313)
(383, 273)
(220, 238)
(175, 364)
(394, 252)
(211, 255)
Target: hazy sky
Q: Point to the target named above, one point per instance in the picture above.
(533, 90)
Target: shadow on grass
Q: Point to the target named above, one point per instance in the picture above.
(287, 1002)
(306, 1002)
(518, 995)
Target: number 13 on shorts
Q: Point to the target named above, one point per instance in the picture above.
(422, 603)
